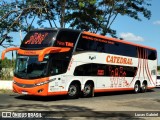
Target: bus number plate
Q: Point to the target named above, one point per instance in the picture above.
(24, 92)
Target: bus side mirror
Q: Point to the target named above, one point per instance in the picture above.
(51, 50)
(7, 50)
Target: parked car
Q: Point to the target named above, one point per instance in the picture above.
(158, 81)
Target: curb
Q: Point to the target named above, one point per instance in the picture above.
(6, 84)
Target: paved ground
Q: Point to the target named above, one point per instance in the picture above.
(119, 104)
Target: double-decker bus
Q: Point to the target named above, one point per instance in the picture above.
(71, 62)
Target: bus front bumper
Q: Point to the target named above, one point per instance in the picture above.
(36, 90)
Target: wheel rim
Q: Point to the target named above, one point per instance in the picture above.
(87, 89)
(136, 88)
(144, 87)
(72, 90)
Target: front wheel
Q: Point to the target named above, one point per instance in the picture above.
(73, 91)
(136, 87)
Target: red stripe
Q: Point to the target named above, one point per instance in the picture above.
(137, 66)
(140, 63)
(149, 73)
(144, 57)
(146, 67)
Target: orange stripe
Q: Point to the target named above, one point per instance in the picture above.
(43, 52)
(116, 40)
(113, 89)
(150, 87)
(58, 93)
(51, 50)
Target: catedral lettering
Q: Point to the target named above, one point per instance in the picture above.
(119, 60)
(70, 62)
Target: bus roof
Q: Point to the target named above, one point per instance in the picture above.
(116, 40)
(40, 29)
(96, 35)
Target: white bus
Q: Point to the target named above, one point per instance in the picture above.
(71, 62)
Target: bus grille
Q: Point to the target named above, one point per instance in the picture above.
(25, 85)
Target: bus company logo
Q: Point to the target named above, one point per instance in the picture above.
(37, 38)
(119, 60)
(30, 53)
(92, 57)
(66, 44)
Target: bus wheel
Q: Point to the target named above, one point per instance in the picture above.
(136, 87)
(88, 90)
(144, 87)
(73, 91)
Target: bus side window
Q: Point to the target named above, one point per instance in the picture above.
(152, 55)
(53, 68)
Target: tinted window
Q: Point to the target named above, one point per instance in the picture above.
(144, 53)
(38, 39)
(58, 63)
(152, 55)
(158, 77)
(66, 38)
(90, 43)
(105, 70)
(121, 49)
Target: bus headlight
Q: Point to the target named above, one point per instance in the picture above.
(42, 83)
(45, 82)
(14, 82)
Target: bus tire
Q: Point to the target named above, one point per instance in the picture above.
(144, 87)
(136, 87)
(73, 91)
(88, 90)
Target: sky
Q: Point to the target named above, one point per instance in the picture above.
(145, 32)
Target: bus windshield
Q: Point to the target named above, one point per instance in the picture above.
(29, 67)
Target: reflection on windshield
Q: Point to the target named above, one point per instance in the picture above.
(30, 67)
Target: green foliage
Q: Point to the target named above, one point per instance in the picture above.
(6, 67)
(7, 63)
(158, 68)
(91, 15)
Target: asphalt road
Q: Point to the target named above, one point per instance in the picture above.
(118, 103)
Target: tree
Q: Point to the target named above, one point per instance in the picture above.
(15, 16)
(158, 68)
(91, 15)
(6, 67)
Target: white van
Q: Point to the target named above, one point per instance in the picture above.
(158, 81)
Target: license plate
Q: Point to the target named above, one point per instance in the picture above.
(24, 92)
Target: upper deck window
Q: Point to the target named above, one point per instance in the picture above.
(66, 38)
(39, 39)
